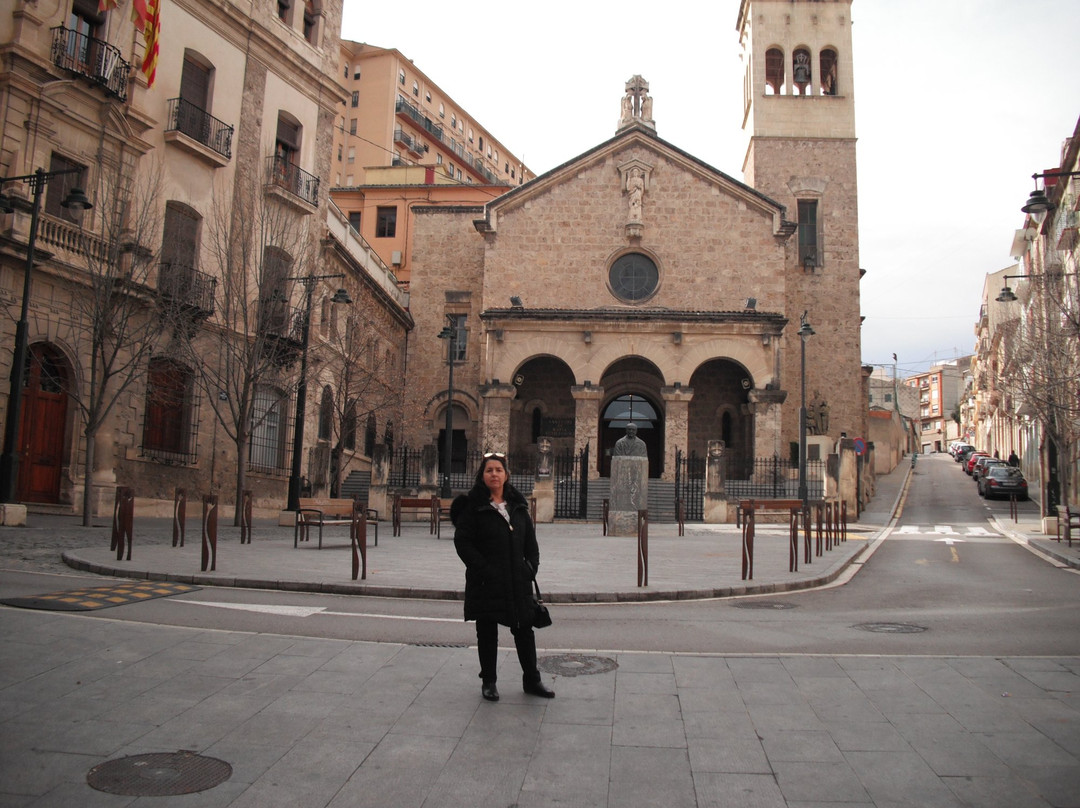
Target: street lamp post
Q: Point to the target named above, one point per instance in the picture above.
(75, 200)
(341, 296)
(805, 332)
(449, 332)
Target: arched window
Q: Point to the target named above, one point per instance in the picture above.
(167, 422)
(326, 414)
(801, 71)
(348, 428)
(827, 71)
(774, 71)
(267, 444)
(370, 435)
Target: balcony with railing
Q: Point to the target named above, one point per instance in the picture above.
(294, 181)
(408, 141)
(91, 58)
(407, 110)
(199, 131)
(186, 289)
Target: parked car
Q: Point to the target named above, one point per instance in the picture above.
(956, 448)
(963, 455)
(1003, 480)
(982, 464)
(970, 464)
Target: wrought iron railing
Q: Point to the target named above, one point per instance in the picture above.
(91, 58)
(771, 478)
(187, 287)
(199, 125)
(293, 179)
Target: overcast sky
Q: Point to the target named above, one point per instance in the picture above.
(958, 103)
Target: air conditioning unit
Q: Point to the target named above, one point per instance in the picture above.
(395, 258)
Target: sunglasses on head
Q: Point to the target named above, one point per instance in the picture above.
(496, 455)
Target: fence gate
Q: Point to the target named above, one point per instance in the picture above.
(690, 485)
(571, 484)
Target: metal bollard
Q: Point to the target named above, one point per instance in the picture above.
(358, 540)
(808, 556)
(209, 532)
(793, 540)
(123, 521)
(643, 547)
(748, 519)
(245, 517)
(179, 517)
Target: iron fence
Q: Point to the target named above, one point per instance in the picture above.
(772, 478)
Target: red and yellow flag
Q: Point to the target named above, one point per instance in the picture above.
(152, 35)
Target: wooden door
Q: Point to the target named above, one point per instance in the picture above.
(41, 433)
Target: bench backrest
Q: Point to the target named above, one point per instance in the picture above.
(328, 505)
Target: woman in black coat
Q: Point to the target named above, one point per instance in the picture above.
(495, 538)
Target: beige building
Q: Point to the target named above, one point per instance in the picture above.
(401, 141)
(635, 282)
(211, 212)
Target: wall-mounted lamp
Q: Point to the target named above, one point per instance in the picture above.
(1009, 296)
(587, 336)
(1038, 205)
(515, 302)
(751, 303)
(765, 339)
(676, 337)
(498, 334)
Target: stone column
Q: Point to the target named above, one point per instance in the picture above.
(380, 477)
(544, 485)
(629, 493)
(765, 406)
(716, 509)
(676, 425)
(495, 417)
(587, 399)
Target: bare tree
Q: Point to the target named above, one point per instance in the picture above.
(114, 324)
(1042, 365)
(363, 368)
(246, 353)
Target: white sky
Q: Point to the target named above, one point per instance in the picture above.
(958, 103)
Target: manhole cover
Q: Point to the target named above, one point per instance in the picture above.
(890, 628)
(576, 664)
(763, 604)
(159, 775)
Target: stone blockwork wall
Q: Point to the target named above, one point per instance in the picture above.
(825, 170)
(448, 260)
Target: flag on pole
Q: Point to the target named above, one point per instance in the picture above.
(151, 34)
(107, 5)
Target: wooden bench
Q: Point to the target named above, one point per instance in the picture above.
(417, 506)
(444, 515)
(1069, 517)
(765, 505)
(326, 512)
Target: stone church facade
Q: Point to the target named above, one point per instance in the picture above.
(636, 282)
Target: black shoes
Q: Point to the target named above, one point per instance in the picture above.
(490, 692)
(538, 689)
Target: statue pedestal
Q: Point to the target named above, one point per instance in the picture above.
(544, 494)
(629, 493)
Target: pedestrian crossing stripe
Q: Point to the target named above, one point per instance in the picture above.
(100, 597)
(945, 530)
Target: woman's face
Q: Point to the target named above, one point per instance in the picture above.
(494, 476)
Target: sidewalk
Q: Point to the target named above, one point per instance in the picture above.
(235, 719)
(577, 562)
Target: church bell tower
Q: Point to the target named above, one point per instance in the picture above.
(799, 108)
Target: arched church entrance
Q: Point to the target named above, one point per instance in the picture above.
(633, 386)
(720, 410)
(43, 425)
(543, 405)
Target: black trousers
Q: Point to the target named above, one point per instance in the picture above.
(487, 644)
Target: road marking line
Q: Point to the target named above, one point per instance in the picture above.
(309, 611)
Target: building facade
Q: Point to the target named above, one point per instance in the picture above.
(637, 283)
(939, 391)
(401, 141)
(211, 213)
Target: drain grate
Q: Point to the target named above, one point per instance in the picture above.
(163, 774)
(764, 604)
(576, 664)
(890, 628)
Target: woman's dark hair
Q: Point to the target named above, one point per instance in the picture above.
(496, 456)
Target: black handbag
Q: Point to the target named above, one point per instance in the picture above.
(541, 615)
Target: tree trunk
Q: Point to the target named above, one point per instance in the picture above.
(88, 479)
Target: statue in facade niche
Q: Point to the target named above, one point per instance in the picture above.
(635, 187)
